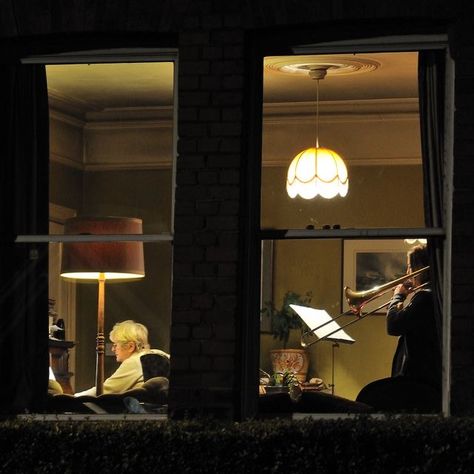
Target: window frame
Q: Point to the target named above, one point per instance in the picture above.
(380, 44)
(116, 55)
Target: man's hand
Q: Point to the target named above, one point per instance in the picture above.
(401, 289)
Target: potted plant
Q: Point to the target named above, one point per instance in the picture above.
(282, 320)
(286, 382)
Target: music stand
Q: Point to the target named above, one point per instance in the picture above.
(325, 329)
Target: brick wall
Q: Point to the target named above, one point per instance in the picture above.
(462, 326)
(206, 254)
(211, 36)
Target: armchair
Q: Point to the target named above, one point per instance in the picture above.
(153, 394)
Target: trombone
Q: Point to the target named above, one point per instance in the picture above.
(358, 299)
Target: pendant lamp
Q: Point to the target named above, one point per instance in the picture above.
(317, 170)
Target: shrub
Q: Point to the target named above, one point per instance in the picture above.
(350, 445)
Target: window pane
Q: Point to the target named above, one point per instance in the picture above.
(111, 140)
(146, 301)
(111, 155)
(367, 113)
(317, 267)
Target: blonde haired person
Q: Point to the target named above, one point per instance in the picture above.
(129, 342)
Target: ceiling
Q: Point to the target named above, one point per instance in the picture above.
(99, 87)
(349, 77)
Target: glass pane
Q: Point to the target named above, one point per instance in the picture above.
(146, 301)
(322, 269)
(111, 156)
(111, 140)
(368, 113)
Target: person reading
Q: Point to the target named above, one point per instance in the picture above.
(129, 342)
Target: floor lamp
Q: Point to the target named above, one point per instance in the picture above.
(101, 261)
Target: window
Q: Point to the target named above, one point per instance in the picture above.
(112, 153)
(369, 114)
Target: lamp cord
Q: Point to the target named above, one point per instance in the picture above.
(317, 114)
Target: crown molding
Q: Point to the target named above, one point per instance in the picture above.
(357, 161)
(66, 161)
(162, 114)
(66, 118)
(68, 106)
(130, 124)
(81, 114)
(342, 110)
(128, 166)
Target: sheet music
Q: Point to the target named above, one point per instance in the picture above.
(314, 318)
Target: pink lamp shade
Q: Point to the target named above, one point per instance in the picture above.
(114, 260)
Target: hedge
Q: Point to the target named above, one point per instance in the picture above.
(350, 445)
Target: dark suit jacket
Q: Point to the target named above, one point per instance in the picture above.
(418, 353)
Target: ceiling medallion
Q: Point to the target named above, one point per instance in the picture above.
(335, 65)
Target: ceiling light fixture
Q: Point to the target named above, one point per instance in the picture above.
(317, 170)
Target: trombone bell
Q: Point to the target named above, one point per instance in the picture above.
(357, 299)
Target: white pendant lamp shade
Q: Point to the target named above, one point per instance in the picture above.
(317, 172)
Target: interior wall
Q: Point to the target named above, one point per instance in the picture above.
(125, 170)
(146, 301)
(316, 266)
(380, 195)
(146, 195)
(65, 167)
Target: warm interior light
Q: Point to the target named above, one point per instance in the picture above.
(317, 171)
(101, 261)
(95, 275)
(414, 241)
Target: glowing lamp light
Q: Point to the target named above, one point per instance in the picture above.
(317, 171)
(414, 241)
(101, 261)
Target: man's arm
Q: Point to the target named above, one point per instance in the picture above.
(401, 319)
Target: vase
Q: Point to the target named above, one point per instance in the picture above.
(296, 360)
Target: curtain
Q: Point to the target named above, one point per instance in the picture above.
(431, 80)
(24, 176)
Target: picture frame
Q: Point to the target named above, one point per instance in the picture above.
(370, 263)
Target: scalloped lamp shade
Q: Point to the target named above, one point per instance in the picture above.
(316, 172)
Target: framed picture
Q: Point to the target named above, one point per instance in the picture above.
(266, 282)
(370, 263)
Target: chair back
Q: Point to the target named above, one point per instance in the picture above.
(155, 365)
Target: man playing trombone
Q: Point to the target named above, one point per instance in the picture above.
(416, 367)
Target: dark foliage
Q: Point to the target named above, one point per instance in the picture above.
(285, 318)
(355, 445)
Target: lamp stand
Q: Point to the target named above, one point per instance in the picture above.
(332, 384)
(100, 341)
